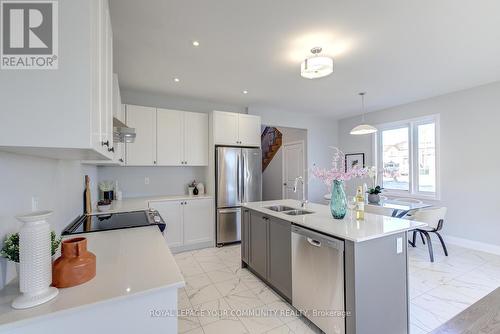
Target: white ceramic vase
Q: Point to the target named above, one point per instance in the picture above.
(35, 269)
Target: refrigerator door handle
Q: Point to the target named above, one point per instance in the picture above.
(243, 178)
(238, 181)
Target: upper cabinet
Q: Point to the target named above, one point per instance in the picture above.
(236, 129)
(179, 138)
(142, 152)
(68, 114)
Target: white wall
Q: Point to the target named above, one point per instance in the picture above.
(470, 156)
(58, 185)
(321, 133)
(272, 177)
(162, 180)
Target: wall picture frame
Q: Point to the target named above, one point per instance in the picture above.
(354, 159)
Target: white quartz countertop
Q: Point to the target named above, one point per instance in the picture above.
(129, 262)
(142, 203)
(372, 227)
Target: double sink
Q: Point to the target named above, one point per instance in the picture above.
(288, 210)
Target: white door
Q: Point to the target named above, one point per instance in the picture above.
(172, 214)
(170, 137)
(225, 128)
(196, 139)
(293, 167)
(142, 152)
(249, 130)
(198, 221)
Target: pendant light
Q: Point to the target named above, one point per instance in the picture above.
(363, 129)
(316, 66)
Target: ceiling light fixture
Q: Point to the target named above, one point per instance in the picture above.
(316, 66)
(196, 43)
(363, 129)
(245, 92)
(177, 79)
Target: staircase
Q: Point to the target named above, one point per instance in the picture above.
(271, 140)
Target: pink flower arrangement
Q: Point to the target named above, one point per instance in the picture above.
(338, 171)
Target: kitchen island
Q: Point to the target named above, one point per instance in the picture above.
(347, 276)
(134, 290)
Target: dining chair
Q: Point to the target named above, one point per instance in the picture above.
(434, 217)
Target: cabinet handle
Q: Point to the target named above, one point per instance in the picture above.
(154, 162)
(112, 149)
(121, 160)
(105, 143)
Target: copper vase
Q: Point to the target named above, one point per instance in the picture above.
(75, 266)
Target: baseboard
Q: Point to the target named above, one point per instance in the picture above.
(471, 244)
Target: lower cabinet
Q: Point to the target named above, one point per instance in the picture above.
(279, 272)
(189, 222)
(258, 243)
(266, 249)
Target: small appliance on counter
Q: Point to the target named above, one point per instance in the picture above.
(114, 221)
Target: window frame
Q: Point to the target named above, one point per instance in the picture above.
(412, 126)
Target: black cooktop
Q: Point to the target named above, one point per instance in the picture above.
(113, 221)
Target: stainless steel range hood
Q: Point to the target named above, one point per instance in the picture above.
(122, 133)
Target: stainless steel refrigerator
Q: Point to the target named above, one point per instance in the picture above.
(238, 180)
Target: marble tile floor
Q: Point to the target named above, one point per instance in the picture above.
(220, 297)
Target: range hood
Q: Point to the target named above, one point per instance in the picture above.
(122, 133)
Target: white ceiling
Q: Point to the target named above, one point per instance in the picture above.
(397, 51)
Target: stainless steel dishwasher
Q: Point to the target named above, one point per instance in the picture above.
(318, 279)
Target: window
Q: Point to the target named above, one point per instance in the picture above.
(407, 156)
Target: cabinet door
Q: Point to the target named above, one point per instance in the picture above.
(142, 152)
(198, 221)
(258, 243)
(245, 225)
(108, 84)
(195, 139)
(225, 128)
(170, 137)
(249, 130)
(279, 272)
(171, 212)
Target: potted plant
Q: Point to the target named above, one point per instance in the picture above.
(10, 249)
(374, 194)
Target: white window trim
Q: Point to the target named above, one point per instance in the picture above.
(412, 134)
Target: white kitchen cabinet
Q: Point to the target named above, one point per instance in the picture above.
(180, 138)
(68, 112)
(225, 128)
(190, 222)
(195, 139)
(172, 214)
(170, 137)
(142, 152)
(236, 129)
(249, 130)
(198, 223)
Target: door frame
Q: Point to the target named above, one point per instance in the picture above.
(283, 180)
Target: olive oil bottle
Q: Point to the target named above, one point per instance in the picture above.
(360, 204)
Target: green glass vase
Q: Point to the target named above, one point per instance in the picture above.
(338, 202)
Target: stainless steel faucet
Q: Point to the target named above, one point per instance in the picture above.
(304, 200)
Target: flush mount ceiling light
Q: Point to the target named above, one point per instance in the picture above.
(196, 43)
(245, 92)
(177, 80)
(316, 66)
(363, 129)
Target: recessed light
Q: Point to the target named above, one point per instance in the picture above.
(245, 92)
(177, 79)
(196, 43)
